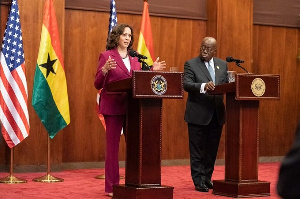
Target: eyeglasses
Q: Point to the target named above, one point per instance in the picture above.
(207, 49)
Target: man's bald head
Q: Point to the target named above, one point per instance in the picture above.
(208, 48)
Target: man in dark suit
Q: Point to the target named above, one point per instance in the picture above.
(288, 185)
(205, 114)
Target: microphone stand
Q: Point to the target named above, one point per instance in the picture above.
(145, 66)
(238, 64)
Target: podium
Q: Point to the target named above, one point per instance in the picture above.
(242, 130)
(145, 89)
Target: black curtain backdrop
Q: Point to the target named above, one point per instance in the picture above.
(265, 12)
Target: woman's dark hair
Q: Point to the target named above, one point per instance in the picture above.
(114, 37)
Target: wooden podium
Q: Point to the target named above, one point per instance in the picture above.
(146, 89)
(242, 130)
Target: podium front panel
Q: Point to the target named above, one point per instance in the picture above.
(154, 84)
(257, 87)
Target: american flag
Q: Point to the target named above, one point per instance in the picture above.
(13, 86)
(113, 16)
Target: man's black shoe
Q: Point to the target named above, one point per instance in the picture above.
(201, 187)
(209, 184)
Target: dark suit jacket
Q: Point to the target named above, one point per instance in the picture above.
(288, 185)
(113, 103)
(200, 107)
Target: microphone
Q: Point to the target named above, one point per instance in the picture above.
(231, 59)
(237, 62)
(133, 53)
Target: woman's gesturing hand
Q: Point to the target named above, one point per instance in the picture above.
(159, 65)
(109, 65)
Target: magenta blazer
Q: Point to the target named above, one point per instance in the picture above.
(113, 103)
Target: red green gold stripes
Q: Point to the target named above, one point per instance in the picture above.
(145, 44)
(50, 95)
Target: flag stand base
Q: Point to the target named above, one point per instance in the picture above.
(100, 176)
(12, 180)
(103, 177)
(48, 178)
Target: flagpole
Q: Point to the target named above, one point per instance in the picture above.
(11, 179)
(48, 177)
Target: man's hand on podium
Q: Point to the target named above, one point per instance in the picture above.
(209, 86)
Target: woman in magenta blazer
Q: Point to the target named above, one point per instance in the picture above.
(116, 64)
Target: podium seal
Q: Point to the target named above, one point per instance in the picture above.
(258, 87)
(159, 84)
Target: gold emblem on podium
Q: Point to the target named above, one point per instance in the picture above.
(159, 84)
(258, 87)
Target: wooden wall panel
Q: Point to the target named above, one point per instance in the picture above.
(85, 136)
(275, 52)
(233, 32)
(184, 45)
(232, 29)
(83, 36)
(86, 34)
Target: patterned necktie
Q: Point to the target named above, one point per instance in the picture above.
(211, 72)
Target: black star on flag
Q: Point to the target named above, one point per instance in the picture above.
(49, 65)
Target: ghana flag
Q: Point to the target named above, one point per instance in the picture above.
(50, 95)
(145, 43)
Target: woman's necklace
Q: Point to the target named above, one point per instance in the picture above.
(124, 57)
(122, 53)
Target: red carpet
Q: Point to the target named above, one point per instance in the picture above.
(82, 183)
